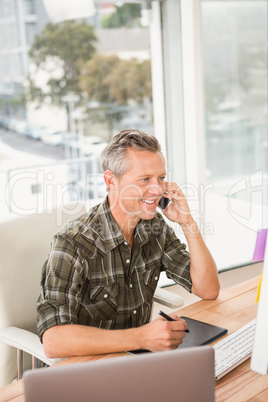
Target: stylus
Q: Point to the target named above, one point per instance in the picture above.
(168, 318)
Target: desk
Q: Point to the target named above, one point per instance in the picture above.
(234, 308)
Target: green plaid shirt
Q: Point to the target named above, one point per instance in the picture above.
(91, 276)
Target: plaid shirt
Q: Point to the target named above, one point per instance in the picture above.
(91, 276)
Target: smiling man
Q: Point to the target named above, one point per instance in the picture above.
(98, 281)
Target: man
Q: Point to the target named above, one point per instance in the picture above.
(101, 273)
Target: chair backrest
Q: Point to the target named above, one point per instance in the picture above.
(24, 247)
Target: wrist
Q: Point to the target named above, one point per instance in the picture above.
(140, 337)
(190, 228)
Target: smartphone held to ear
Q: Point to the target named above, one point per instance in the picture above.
(164, 203)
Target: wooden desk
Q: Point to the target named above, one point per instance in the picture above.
(234, 308)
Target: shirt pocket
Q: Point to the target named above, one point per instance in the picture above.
(103, 301)
(150, 278)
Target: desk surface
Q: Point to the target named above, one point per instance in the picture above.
(234, 308)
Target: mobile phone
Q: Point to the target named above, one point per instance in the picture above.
(164, 203)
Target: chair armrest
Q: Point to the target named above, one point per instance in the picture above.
(167, 298)
(26, 341)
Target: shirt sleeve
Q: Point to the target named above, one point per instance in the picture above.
(61, 280)
(176, 261)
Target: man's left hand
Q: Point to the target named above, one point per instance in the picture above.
(178, 210)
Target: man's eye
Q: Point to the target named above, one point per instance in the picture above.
(162, 178)
(145, 179)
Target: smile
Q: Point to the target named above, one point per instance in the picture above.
(150, 202)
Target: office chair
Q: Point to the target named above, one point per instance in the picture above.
(23, 249)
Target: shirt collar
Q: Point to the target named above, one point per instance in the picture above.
(104, 232)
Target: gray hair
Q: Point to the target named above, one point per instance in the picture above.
(113, 157)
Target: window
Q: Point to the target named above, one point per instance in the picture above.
(31, 29)
(216, 63)
(29, 6)
(94, 80)
(234, 44)
(234, 39)
(6, 8)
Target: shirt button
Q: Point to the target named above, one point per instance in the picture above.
(105, 296)
(135, 312)
(127, 261)
(156, 278)
(125, 243)
(131, 286)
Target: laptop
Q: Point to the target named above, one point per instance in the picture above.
(179, 375)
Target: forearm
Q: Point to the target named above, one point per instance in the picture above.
(78, 340)
(203, 268)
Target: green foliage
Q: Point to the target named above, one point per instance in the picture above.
(108, 79)
(66, 53)
(94, 74)
(58, 50)
(127, 15)
(16, 102)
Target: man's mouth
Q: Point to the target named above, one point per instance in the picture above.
(149, 202)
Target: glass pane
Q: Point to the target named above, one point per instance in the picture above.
(65, 94)
(30, 28)
(234, 40)
(29, 6)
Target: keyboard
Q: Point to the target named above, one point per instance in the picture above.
(233, 350)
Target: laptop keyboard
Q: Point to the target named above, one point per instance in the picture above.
(234, 349)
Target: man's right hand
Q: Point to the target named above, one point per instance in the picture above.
(161, 334)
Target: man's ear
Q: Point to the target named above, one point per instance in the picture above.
(109, 178)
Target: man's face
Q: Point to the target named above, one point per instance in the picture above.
(141, 187)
